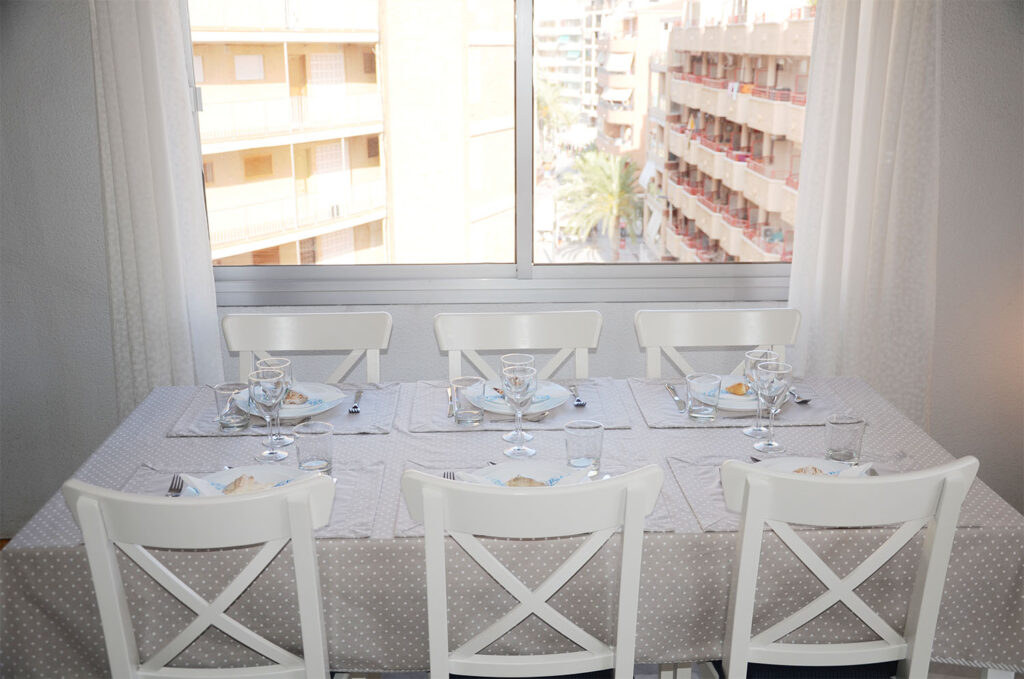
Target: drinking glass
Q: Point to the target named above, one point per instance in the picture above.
(843, 435)
(750, 361)
(266, 391)
(583, 439)
(519, 384)
(773, 380)
(508, 361)
(276, 438)
(314, 445)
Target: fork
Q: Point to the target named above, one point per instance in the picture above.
(574, 390)
(177, 484)
(354, 408)
(448, 475)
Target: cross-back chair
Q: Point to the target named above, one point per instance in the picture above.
(465, 511)
(359, 333)
(566, 332)
(665, 332)
(113, 521)
(928, 500)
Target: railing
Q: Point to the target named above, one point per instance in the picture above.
(220, 120)
(709, 203)
(692, 188)
(793, 182)
(319, 208)
(676, 179)
(739, 155)
(615, 105)
(735, 19)
(767, 171)
(733, 219)
(799, 99)
(771, 93)
(715, 83)
(709, 143)
(693, 78)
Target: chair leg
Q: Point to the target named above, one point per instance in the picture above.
(996, 674)
(667, 671)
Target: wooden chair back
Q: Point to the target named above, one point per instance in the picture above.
(465, 511)
(928, 500)
(665, 332)
(113, 521)
(566, 332)
(253, 336)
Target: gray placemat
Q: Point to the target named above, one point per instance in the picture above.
(603, 404)
(660, 411)
(376, 414)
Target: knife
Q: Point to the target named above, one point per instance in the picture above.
(451, 402)
(680, 404)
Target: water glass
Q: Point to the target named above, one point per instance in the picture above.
(702, 394)
(583, 440)
(843, 435)
(229, 416)
(314, 442)
(751, 360)
(464, 391)
(508, 361)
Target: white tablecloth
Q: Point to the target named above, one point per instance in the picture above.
(374, 587)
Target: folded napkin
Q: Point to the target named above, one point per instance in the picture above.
(430, 409)
(702, 487)
(660, 411)
(376, 414)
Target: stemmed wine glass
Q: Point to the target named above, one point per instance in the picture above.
(275, 437)
(773, 380)
(750, 361)
(507, 361)
(519, 384)
(266, 390)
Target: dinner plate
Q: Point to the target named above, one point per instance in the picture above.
(214, 483)
(549, 395)
(321, 398)
(740, 404)
(548, 473)
(791, 464)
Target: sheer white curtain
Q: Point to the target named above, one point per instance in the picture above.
(864, 273)
(158, 253)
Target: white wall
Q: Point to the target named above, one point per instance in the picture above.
(56, 390)
(978, 383)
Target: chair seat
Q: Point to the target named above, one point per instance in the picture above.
(601, 674)
(884, 670)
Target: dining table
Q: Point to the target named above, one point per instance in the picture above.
(371, 560)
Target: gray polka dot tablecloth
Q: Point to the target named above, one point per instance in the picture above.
(371, 562)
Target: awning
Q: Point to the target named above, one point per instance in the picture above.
(646, 174)
(654, 223)
(619, 62)
(615, 94)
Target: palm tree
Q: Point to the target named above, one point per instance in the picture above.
(552, 113)
(600, 191)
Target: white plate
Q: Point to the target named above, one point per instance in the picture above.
(549, 395)
(791, 464)
(266, 473)
(322, 397)
(739, 404)
(548, 473)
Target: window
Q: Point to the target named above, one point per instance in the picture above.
(208, 172)
(197, 68)
(248, 67)
(456, 186)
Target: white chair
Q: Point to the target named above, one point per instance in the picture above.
(665, 331)
(566, 332)
(928, 499)
(135, 522)
(465, 511)
(359, 333)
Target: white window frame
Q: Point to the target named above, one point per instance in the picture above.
(522, 282)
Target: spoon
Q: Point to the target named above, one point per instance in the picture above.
(797, 398)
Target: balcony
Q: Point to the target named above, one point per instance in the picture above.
(765, 191)
(356, 17)
(244, 228)
(768, 115)
(617, 113)
(221, 121)
(709, 203)
(771, 94)
(766, 169)
(798, 99)
(619, 43)
(607, 78)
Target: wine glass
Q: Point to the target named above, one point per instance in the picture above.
(750, 361)
(773, 380)
(275, 437)
(507, 361)
(519, 384)
(266, 390)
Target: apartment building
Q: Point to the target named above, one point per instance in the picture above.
(335, 133)
(727, 149)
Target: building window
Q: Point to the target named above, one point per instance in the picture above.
(248, 67)
(208, 172)
(197, 69)
(518, 201)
